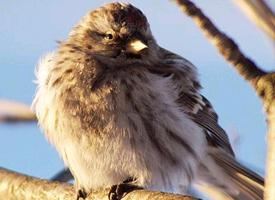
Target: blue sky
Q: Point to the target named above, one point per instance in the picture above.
(29, 30)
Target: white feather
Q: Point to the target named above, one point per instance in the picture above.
(105, 161)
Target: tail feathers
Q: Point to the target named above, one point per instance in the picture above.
(249, 185)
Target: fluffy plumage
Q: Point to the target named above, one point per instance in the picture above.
(115, 111)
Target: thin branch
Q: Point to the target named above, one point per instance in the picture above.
(226, 46)
(266, 8)
(17, 186)
(261, 81)
(259, 13)
(15, 112)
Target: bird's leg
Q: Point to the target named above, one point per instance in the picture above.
(81, 194)
(117, 192)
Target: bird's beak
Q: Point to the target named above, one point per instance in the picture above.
(135, 47)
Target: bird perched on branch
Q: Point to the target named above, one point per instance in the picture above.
(121, 110)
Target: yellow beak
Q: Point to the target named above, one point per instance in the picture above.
(136, 47)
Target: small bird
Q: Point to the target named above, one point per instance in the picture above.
(120, 109)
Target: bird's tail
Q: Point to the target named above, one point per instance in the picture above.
(231, 179)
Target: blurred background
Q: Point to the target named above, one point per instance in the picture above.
(31, 29)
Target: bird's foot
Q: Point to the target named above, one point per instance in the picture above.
(117, 192)
(81, 194)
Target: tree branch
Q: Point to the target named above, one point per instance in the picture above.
(266, 88)
(259, 12)
(261, 81)
(15, 112)
(226, 46)
(17, 186)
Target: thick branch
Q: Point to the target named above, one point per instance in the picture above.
(17, 186)
(268, 88)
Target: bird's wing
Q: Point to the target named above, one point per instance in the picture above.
(198, 108)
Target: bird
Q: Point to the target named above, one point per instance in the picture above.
(121, 109)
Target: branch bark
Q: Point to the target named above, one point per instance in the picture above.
(15, 186)
(263, 82)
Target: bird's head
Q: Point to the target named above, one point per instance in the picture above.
(117, 33)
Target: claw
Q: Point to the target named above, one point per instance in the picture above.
(117, 192)
(81, 194)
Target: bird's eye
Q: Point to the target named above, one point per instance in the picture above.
(109, 36)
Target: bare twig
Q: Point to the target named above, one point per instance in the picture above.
(259, 12)
(261, 81)
(15, 112)
(17, 186)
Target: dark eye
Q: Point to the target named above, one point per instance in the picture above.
(109, 36)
